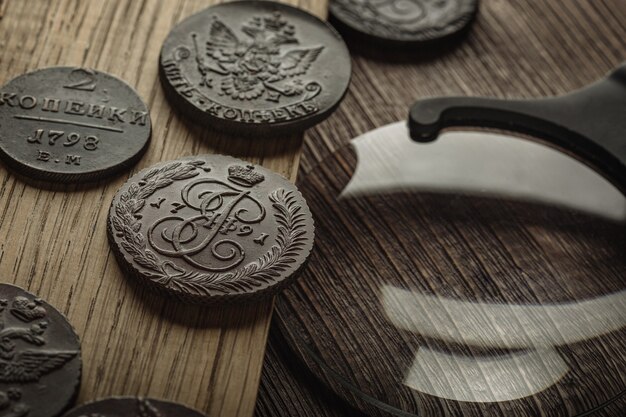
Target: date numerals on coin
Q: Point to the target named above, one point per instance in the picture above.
(90, 142)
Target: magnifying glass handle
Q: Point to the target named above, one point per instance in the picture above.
(590, 122)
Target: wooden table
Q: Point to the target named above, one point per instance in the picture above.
(53, 241)
(525, 48)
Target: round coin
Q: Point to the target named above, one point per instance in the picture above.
(255, 67)
(210, 228)
(71, 125)
(40, 364)
(403, 22)
(133, 407)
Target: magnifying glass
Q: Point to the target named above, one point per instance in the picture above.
(472, 273)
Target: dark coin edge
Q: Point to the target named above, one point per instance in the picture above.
(131, 271)
(79, 379)
(429, 37)
(74, 178)
(76, 411)
(188, 110)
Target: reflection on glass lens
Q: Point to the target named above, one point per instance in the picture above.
(480, 273)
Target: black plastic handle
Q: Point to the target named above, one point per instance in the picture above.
(590, 122)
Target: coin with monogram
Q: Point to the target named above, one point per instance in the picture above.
(40, 364)
(255, 67)
(133, 407)
(403, 22)
(67, 124)
(210, 228)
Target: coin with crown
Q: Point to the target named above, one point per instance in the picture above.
(244, 176)
(40, 358)
(28, 310)
(210, 229)
(255, 68)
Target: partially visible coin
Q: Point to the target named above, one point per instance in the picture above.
(40, 364)
(67, 124)
(210, 228)
(133, 407)
(403, 22)
(255, 67)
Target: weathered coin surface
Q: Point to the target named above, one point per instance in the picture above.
(40, 364)
(403, 22)
(133, 407)
(210, 228)
(67, 124)
(255, 67)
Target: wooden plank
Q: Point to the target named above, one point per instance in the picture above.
(53, 241)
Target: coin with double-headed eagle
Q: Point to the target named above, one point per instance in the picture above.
(210, 228)
(40, 362)
(255, 67)
(133, 407)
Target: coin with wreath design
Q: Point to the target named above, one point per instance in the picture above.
(210, 228)
(249, 66)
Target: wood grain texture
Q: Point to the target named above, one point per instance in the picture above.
(517, 49)
(53, 241)
(289, 389)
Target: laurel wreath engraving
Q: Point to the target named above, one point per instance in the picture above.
(126, 222)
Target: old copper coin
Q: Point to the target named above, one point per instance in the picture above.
(210, 228)
(71, 125)
(40, 364)
(403, 22)
(255, 67)
(133, 407)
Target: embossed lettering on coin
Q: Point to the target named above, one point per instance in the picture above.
(132, 407)
(210, 228)
(39, 357)
(71, 124)
(255, 63)
(409, 21)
